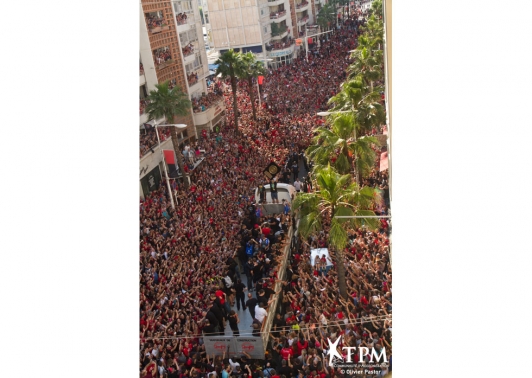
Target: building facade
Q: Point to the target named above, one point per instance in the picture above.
(172, 49)
(268, 28)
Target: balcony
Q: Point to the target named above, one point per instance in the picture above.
(302, 21)
(203, 117)
(281, 35)
(303, 6)
(156, 22)
(162, 58)
(273, 3)
(282, 50)
(148, 141)
(278, 16)
(194, 77)
(164, 64)
(184, 21)
(188, 53)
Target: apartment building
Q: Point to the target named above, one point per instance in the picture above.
(172, 49)
(268, 28)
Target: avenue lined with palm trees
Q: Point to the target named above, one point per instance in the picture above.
(338, 210)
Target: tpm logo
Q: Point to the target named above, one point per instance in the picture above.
(374, 356)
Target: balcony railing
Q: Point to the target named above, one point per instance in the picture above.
(302, 20)
(164, 64)
(184, 18)
(282, 46)
(281, 31)
(192, 79)
(303, 4)
(274, 3)
(162, 57)
(148, 139)
(156, 25)
(276, 15)
(188, 50)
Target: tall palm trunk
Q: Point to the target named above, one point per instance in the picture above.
(340, 268)
(359, 176)
(251, 90)
(342, 286)
(180, 159)
(235, 106)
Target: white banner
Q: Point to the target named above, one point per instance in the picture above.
(234, 346)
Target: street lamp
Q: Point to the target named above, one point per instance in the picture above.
(179, 126)
(325, 114)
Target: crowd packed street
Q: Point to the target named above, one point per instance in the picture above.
(211, 265)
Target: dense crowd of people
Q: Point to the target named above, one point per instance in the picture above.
(204, 102)
(143, 104)
(188, 49)
(192, 78)
(154, 21)
(281, 45)
(148, 138)
(162, 55)
(181, 18)
(217, 250)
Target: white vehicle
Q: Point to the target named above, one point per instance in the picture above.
(284, 191)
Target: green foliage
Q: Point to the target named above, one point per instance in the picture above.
(169, 103)
(166, 102)
(250, 67)
(229, 66)
(277, 29)
(335, 195)
(228, 63)
(326, 16)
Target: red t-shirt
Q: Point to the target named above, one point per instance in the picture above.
(220, 294)
(285, 353)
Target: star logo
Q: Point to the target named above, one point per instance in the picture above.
(333, 352)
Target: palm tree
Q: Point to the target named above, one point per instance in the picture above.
(356, 96)
(229, 65)
(341, 142)
(251, 68)
(326, 16)
(169, 103)
(336, 195)
(367, 64)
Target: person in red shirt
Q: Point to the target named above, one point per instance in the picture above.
(220, 294)
(302, 344)
(266, 231)
(286, 352)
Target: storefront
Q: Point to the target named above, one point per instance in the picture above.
(281, 57)
(151, 181)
